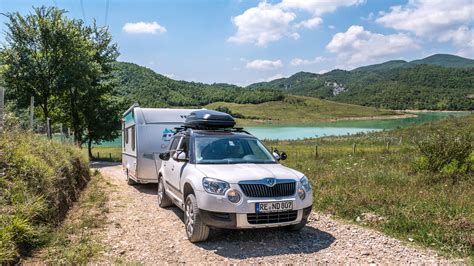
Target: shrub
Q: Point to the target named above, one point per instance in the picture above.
(42, 179)
(446, 153)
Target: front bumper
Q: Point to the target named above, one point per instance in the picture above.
(247, 220)
(218, 211)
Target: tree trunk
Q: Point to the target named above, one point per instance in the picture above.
(75, 120)
(89, 148)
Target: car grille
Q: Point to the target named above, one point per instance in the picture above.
(271, 218)
(263, 191)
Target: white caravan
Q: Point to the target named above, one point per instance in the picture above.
(146, 133)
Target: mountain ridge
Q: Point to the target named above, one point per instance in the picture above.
(436, 82)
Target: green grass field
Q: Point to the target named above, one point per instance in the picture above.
(377, 186)
(298, 110)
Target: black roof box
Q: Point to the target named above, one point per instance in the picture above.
(203, 119)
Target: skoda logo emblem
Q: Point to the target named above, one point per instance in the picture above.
(270, 182)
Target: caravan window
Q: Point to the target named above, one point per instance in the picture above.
(133, 137)
(125, 132)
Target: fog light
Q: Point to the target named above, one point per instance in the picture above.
(301, 193)
(233, 196)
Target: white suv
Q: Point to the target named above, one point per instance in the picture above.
(226, 178)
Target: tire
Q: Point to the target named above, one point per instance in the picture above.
(196, 230)
(298, 226)
(163, 200)
(129, 180)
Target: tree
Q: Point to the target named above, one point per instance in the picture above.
(101, 111)
(67, 66)
(35, 47)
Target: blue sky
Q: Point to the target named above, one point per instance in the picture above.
(247, 41)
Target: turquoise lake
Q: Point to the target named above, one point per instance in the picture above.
(337, 128)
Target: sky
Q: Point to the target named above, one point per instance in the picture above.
(246, 41)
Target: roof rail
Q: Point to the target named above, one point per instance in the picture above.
(234, 129)
(131, 108)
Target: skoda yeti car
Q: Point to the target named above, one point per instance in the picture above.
(223, 177)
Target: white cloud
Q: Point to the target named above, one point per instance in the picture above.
(170, 75)
(463, 39)
(264, 64)
(358, 46)
(435, 19)
(144, 27)
(277, 76)
(310, 23)
(318, 7)
(299, 61)
(268, 22)
(263, 24)
(429, 18)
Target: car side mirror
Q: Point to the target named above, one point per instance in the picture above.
(165, 156)
(279, 156)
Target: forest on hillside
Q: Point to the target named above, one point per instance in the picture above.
(137, 84)
(418, 87)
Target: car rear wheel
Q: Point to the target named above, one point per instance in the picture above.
(163, 200)
(196, 230)
(297, 227)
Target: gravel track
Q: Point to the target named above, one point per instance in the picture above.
(139, 231)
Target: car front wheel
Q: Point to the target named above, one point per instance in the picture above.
(196, 230)
(163, 200)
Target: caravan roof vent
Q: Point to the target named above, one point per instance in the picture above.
(209, 119)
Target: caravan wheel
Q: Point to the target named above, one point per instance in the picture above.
(130, 181)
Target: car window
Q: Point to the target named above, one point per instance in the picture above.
(174, 145)
(225, 150)
(184, 146)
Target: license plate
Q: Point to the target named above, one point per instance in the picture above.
(274, 206)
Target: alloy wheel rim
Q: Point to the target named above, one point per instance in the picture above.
(160, 192)
(189, 218)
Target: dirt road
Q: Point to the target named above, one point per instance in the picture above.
(139, 231)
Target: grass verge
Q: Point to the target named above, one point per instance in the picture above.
(76, 240)
(41, 179)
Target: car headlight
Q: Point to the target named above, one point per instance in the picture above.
(305, 183)
(215, 186)
(233, 196)
(301, 193)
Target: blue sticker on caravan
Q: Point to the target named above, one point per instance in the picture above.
(167, 134)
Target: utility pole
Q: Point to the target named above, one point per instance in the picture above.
(48, 127)
(2, 104)
(32, 111)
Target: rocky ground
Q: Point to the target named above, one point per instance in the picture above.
(139, 231)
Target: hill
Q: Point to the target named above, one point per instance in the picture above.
(296, 110)
(438, 82)
(445, 60)
(139, 84)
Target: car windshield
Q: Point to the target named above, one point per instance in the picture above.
(231, 150)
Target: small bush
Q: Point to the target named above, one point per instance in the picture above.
(447, 154)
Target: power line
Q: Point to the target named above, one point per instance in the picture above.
(106, 11)
(83, 11)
